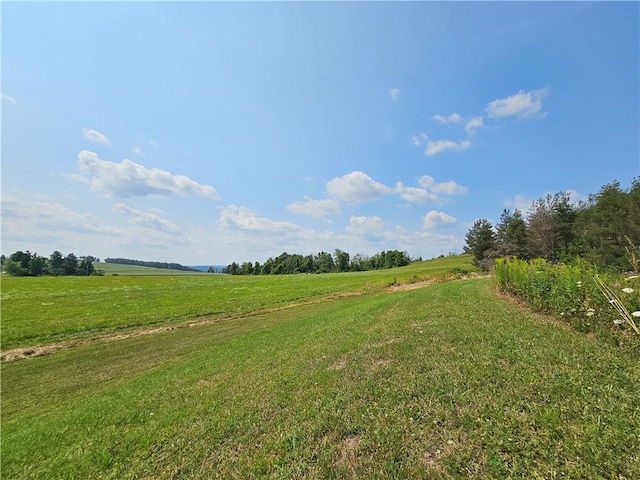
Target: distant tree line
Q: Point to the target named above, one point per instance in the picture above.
(322, 262)
(600, 230)
(23, 264)
(141, 263)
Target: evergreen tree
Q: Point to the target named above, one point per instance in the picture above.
(480, 242)
(70, 264)
(56, 263)
(605, 223)
(511, 235)
(341, 260)
(86, 267)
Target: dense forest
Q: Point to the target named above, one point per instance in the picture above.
(601, 230)
(141, 263)
(322, 262)
(22, 264)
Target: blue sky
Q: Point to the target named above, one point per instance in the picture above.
(206, 133)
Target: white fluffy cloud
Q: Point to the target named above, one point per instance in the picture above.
(522, 104)
(43, 226)
(363, 224)
(449, 188)
(357, 187)
(415, 194)
(315, 208)
(46, 214)
(434, 219)
(453, 118)
(147, 219)
(60, 227)
(95, 136)
(136, 150)
(438, 146)
(246, 219)
(128, 179)
(476, 123)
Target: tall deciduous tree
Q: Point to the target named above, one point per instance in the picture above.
(551, 226)
(37, 266)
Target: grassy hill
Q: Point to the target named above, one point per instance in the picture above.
(119, 269)
(46, 310)
(444, 381)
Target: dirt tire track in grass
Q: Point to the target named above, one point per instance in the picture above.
(41, 350)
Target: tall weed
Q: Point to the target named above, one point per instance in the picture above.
(575, 293)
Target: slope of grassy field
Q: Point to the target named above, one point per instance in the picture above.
(46, 310)
(119, 269)
(445, 381)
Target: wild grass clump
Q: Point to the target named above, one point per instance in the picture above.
(606, 305)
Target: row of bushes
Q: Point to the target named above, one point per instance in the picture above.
(607, 305)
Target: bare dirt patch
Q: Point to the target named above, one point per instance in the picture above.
(401, 287)
(348, 453)
(378, 364)
(339, 365)
(39, 351)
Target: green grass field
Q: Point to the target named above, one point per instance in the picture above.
(444, 381)
(46, 310)
(119, 269)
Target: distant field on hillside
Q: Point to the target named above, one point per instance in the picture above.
(119, 269)
(46, 310)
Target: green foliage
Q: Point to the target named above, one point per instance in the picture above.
(511, 235)
(14, 268)
(571, 292)
(555, 229)
(607, 222)
(70, 264)
(37, 266)
(550, 226)
(21, 264)
(480, 242)
(56, 263)
(18, 263)
(323, 262)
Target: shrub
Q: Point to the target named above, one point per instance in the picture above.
(590, 302)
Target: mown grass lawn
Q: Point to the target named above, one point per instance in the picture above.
(47, 310)
(122, 269)
(446, 381)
